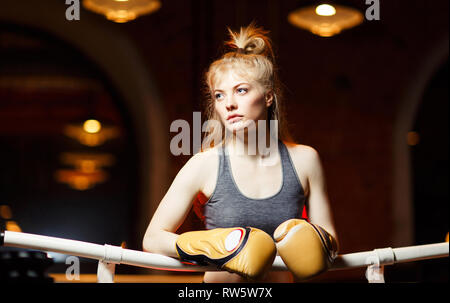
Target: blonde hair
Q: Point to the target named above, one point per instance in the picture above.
(251, 56)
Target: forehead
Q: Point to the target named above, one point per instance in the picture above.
(229, 78)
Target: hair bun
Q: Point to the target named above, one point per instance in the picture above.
(250, 40)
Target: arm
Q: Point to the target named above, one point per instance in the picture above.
(309, 249)
(318, 203)
(160, 236)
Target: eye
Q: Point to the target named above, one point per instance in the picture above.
(218, 96)
(242, 90)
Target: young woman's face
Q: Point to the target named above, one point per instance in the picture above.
(239, 101)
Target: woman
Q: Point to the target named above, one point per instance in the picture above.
(240, 180)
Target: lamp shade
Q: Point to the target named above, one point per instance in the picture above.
(325, 20)
(121, 11)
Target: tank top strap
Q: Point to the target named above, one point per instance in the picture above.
(225, 176)
(290, 175)
(290, 179)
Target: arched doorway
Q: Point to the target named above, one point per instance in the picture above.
(428, 159)
(410, 99)
(430, 167)
(56, 178)
(430, 164)
(115, 57)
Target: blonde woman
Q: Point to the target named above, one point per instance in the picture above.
(252, 179)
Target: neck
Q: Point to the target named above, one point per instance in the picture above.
(252, 144)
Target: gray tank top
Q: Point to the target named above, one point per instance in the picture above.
(228, 207)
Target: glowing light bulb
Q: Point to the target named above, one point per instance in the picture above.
(92, 126)
(325, 10)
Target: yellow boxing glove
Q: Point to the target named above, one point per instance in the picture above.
(306, 249)
(249, 252)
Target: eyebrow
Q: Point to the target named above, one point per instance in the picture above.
(220, 90)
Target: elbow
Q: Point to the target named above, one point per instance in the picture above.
(160, 242)
(149, 244)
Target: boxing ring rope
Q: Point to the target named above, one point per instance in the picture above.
(109, 255)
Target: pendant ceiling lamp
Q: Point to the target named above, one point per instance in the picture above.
(325, 20)
(121, 11)
(87, 169)
(91, 132)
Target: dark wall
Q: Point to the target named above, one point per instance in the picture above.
(342, 93)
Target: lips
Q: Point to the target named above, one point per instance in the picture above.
(233, 116)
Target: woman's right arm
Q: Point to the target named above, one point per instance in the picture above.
(160, 236)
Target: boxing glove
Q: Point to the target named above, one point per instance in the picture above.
(249, 252)
(306, 249)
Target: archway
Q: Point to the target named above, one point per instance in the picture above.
(104, 44)
(402, 195)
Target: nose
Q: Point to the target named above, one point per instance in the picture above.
(230, 103)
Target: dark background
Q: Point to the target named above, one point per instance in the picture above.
(353, 97)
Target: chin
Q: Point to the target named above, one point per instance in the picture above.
(243, 126)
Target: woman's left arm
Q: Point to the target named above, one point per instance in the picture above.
(319, 211)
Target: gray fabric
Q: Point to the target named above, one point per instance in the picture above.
(228, 207)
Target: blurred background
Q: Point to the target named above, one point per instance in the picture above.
(86, 106)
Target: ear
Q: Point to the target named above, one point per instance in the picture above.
(269, 98)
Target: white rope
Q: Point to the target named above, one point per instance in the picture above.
(118, 255)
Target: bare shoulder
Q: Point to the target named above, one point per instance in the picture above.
(208, 156)
(204, 161)
(303, 153)
(306, 158)
(197, 171)
(208, 164)
(198, 164)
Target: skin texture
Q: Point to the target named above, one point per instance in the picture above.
(235, 94)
